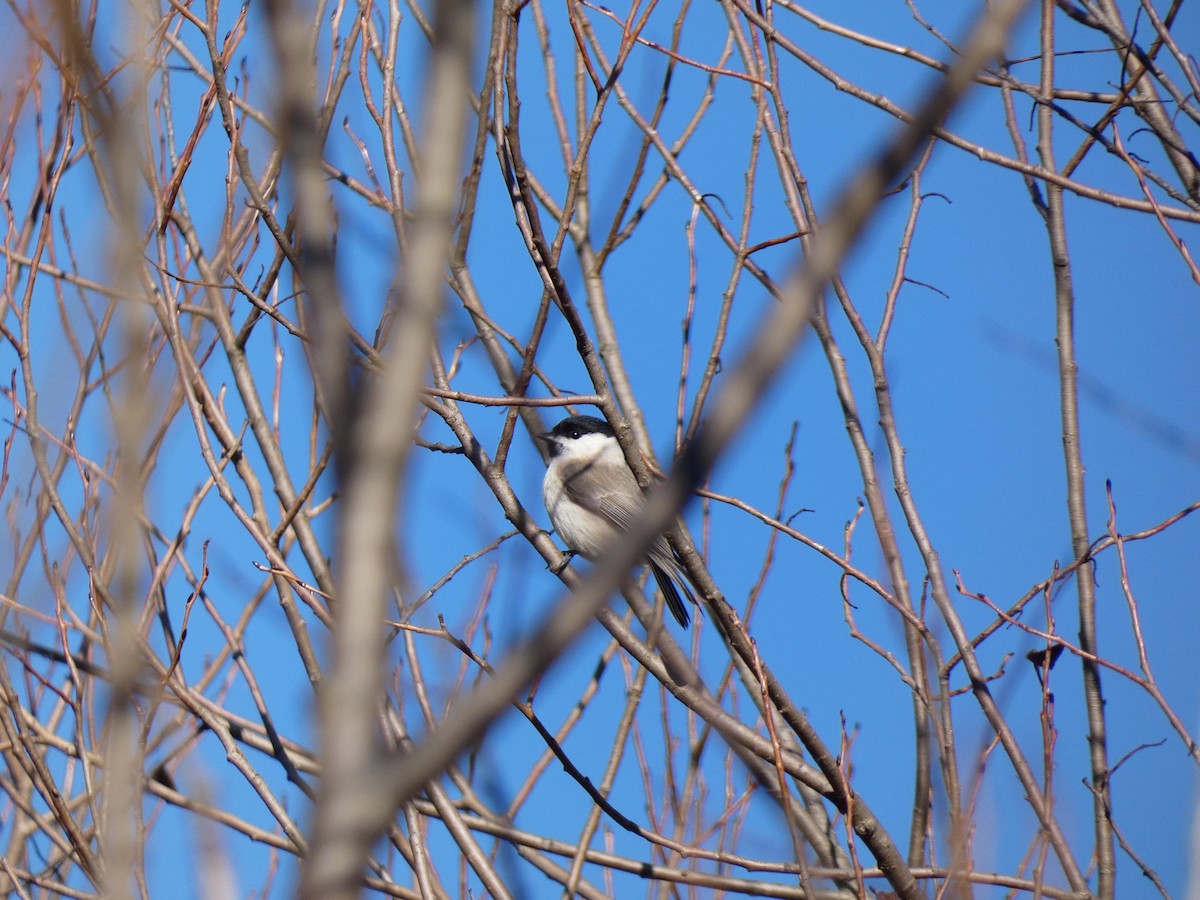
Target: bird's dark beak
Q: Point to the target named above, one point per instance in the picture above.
(550, 442)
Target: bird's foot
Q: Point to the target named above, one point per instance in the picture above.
(563, 562)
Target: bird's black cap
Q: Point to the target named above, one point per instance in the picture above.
(572, 428)
(577, 426)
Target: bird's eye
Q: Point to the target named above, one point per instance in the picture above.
(576, 434)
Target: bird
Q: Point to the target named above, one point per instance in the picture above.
(591, 496)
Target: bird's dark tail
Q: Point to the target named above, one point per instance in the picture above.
(670, 593)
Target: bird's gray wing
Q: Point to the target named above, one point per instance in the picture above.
(610, 493)
(622, 504)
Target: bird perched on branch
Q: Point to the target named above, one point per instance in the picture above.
(591, 496)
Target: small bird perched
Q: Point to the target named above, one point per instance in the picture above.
(591, 495)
